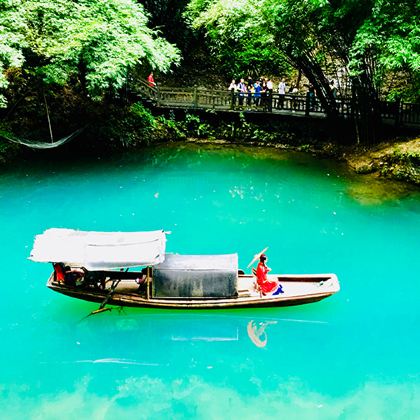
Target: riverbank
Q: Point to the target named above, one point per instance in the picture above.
(137, 127)
(398, 161)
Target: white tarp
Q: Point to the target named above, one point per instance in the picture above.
(100, 250)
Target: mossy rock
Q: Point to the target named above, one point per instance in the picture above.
(366, 168)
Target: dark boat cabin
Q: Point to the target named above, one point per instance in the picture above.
(196, 276)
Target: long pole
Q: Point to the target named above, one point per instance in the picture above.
(48, 118)
(148, 283)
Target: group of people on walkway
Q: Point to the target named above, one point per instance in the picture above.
(260, 91)
(252, 92)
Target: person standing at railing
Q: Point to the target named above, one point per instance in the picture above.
(333, 89)
(311, 97)
(264, 94)
(232, 89)
(269, 94)
(232, 86)
(294, 101)
(270, 86)
(249, 82)
(151, 80)
(257, 94)
(242, 91)
(282, 93)
(251, 92)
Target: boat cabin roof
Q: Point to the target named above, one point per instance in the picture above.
(100, 250)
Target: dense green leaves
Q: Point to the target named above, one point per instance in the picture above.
(388, 42)
(240, 36)
(361, 43)
(93, 43)
(12, 28)
(80, 50)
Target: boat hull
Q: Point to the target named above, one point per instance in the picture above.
(312, 290)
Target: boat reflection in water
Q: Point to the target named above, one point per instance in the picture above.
(227, 347)
(159, 333)
(256, 333)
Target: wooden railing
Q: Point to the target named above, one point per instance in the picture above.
(198, 98)
(144, 89)
(195, 98)
(410, 113)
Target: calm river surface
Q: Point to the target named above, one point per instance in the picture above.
(352, 356)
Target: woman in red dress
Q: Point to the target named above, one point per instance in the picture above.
(266, 286)
(151, 80)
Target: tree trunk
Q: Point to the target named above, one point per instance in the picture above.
(316, 77)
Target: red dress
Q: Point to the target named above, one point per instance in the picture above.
(151, 80)
(266, 285)
(58, 272)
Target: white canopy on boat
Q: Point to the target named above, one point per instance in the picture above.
(100, 250)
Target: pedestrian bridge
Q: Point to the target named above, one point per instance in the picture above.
(194, 98)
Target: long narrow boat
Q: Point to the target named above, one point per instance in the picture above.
(132, 269)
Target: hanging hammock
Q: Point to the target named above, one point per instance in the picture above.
(42, 144)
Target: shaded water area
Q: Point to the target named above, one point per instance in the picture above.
(353, 355)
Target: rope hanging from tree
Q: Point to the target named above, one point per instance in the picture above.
(41, 144)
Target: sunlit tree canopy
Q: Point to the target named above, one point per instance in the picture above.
(93, 42)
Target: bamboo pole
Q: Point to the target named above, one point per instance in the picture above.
(148, 283)
(48, 118)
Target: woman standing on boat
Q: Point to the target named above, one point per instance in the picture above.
(266, 286)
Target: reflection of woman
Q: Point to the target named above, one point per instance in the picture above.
(256, 332)
(265, 285)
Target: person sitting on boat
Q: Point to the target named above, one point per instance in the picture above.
(265, 285)
(72, 275)
(141, 280)
(59, 272)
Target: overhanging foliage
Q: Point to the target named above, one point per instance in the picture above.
(93, 43)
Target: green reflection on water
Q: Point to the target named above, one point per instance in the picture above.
(353, 355)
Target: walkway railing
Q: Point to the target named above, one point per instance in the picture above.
(197, 98)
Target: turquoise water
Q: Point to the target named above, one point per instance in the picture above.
(352, 356)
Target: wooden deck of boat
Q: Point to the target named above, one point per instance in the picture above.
(298, 289)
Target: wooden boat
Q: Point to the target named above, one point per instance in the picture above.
(132, 269)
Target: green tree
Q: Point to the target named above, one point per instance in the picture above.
(12, 40)
(238, 36)
(387, 46)
(90, 43)
(365, 40)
